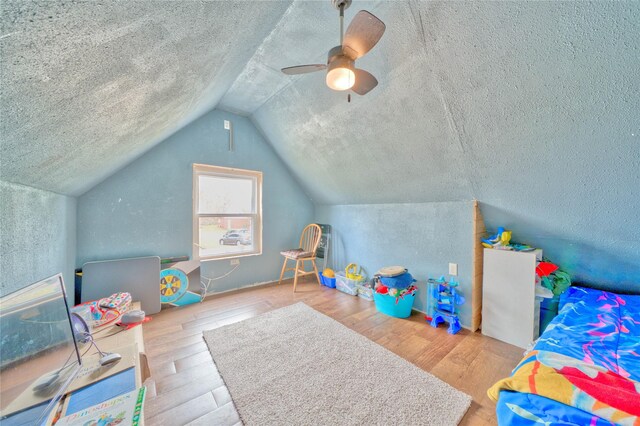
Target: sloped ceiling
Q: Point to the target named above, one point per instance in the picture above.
(531, 107)
(87, 87)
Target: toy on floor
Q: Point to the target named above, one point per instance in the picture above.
(395, 281)
(365, 289)
(354, 272)
(328, 278)
(348, 281)
(179, 282)
(329, 273)
(394, 291)
(443, 300)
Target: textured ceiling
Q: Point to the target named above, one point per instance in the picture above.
(468, 92)
(87, 87)
(531, 107)
(380, 147)
(304, 35)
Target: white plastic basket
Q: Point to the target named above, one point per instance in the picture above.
(346, 285)
(365, 292)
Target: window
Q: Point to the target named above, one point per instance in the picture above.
(227, 212)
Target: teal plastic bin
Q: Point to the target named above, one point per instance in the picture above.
(550, 304)
(548, 311)
(388, 306)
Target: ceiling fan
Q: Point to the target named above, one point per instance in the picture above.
(362, 35)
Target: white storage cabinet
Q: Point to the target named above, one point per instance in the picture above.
(510, 312)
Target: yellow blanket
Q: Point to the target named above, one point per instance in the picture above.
(575, 383)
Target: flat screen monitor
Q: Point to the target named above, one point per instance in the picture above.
(39, 355)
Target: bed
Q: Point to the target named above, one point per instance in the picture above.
(583, 370)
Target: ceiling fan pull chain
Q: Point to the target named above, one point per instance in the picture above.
(349, 97)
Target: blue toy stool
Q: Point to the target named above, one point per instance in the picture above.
(443, 299)
(440, 317)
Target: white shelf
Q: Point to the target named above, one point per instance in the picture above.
(509, 309)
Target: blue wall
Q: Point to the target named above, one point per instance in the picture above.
(38, 236)
(423, 237)
(146, 208)
(605, 249)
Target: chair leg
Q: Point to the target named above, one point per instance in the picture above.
(284, 265)
(315, 268)
(295, 276)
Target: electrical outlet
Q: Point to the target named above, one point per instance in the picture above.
(453, 269)
(227, 124)
(235, 262)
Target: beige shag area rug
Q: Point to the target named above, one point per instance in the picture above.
(297, 366)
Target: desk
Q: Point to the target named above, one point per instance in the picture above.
(110, 338)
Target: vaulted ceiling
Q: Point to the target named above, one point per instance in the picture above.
(531, 107)
(87, 87)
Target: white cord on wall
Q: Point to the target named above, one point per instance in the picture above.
(205, 286)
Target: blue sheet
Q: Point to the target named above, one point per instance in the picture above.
(599, 328)
(596, 327)
(515, 408)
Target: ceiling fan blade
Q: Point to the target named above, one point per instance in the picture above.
(365, 81)
(303, 69)
(362, 34)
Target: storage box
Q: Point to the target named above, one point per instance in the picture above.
(546, 316)
(346, 285)
(548, 311)
(364, 291)
(550, 304)
(388, 306)
(326, 281)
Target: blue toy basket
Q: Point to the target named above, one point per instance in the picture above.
(326, 281)
(388, 306)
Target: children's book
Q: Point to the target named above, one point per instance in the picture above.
(123, 410)
(99, 392)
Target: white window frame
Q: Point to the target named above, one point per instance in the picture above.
(256, 176)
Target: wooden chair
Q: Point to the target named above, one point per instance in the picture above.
(309, 241)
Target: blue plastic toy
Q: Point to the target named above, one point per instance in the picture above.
(443, 299)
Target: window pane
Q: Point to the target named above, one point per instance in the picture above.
(225, 235)
(220, 195)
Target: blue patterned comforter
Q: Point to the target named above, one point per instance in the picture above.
(598, 328)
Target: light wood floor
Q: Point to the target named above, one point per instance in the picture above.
(189, 390)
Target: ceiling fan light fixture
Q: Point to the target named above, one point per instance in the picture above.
(363, 33)
(340, 74)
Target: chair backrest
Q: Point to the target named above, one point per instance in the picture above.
(310, 238)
